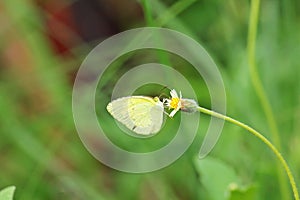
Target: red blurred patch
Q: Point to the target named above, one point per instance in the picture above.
(60, 26)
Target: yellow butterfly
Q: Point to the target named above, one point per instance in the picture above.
(141, 114)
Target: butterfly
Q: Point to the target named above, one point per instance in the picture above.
(141, 114)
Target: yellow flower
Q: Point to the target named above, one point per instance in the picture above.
(178, 103)
(174, 102)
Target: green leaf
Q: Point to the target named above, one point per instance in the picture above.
(216, 176)
(7, 193)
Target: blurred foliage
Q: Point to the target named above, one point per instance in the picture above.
(42, 45)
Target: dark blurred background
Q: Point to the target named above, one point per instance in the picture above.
(42, 45)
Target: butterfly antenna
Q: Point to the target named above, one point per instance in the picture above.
(164, 88)
(162, 93)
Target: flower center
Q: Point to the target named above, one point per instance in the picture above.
(174, 102)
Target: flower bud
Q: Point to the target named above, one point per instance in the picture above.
(189, 105)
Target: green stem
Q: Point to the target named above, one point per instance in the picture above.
(147, 12)
(251, 46)
(254, 73)
(263, 139)
(173, 11)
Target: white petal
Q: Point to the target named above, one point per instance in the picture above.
(174, 93)
(173, 112)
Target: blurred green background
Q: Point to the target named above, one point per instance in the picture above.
(44, 42)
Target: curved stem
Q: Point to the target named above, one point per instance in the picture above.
(258, 87)
(254, 73)
(263, 139)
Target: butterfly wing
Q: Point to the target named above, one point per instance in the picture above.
(140, 114)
